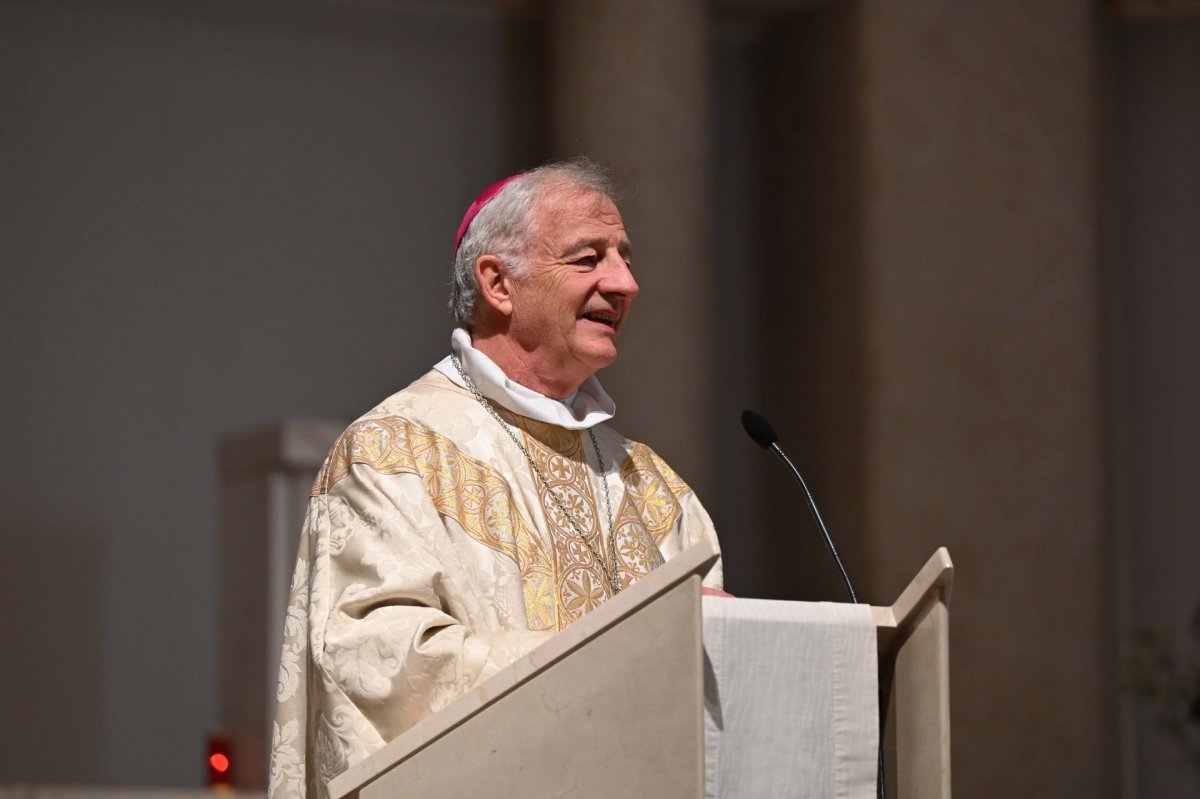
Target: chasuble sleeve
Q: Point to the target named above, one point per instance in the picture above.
(396, 627)
(404, 636)
(698, 526)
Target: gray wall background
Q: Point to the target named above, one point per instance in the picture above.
(214, 215)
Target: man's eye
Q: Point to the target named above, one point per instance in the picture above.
(585, 260)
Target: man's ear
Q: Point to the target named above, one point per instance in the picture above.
(495, 283)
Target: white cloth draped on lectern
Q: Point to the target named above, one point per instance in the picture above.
(791, 706)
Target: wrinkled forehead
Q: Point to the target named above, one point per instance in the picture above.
(566, 210)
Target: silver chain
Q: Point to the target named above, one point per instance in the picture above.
(610, 568)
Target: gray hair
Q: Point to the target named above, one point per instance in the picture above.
(504, 226)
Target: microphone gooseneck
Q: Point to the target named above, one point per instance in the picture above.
(764, 435)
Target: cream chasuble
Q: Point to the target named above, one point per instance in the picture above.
(432, 556)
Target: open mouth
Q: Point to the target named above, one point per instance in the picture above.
(607, 319)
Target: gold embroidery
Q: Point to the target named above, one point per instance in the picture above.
(653, 489)
(464, 489)
(581, 581)
(648, 511)
(567, 582)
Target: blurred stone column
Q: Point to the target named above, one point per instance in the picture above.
(630, 88)
(938, 165)
(984, 348)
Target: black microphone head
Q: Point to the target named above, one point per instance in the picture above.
(759, 429)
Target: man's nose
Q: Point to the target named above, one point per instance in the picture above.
(618, 278)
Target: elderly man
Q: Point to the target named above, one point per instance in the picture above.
(488, 505)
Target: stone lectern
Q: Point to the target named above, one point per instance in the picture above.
(613, 706)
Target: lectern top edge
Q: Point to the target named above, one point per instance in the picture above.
(936, 575)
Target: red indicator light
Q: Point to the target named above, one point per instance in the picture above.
(219, 761)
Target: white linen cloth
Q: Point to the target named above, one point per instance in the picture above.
(791, 699)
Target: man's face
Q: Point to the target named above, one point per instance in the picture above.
(576, 292)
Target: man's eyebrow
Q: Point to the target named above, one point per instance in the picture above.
(624, 247)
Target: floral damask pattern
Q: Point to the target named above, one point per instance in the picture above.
(461, 487)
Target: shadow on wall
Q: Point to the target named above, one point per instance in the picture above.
(50, 587)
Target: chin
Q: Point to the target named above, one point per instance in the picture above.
(599, 357)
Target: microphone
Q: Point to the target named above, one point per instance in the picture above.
(764, 435)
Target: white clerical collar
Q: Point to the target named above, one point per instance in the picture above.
(588, 406)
